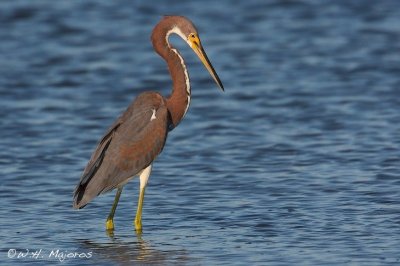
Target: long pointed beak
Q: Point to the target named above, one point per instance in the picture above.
(198, 49)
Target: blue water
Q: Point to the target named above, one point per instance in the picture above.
(297, 163)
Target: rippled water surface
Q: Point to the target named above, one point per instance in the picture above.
(296, 163)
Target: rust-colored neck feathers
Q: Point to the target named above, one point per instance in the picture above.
(179, 100)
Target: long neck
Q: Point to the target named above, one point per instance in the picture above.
(179, 100)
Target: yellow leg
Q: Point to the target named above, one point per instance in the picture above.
(144, 177)
(138, 218)
(110, 218)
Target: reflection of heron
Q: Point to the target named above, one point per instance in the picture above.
(133, 142)
(126, 251)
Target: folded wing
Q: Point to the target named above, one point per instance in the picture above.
(130, 145)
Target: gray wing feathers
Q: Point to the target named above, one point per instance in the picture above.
(94, 164)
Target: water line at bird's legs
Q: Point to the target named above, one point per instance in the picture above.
(110, 218)
(138, 218)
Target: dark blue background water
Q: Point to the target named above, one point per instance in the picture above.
(296, 163)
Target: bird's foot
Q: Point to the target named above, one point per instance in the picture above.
(109, 224)
(138, 226)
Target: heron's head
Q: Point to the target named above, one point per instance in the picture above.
(187, 31)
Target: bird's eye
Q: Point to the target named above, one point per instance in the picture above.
(192, 35)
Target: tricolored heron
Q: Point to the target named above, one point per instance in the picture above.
(137, 137)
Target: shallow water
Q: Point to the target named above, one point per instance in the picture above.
(296, 163)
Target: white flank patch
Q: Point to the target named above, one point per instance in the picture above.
(153, 116)
(144, 176)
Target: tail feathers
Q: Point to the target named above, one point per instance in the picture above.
(85, 192)
(80, 200)
(78, 195)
